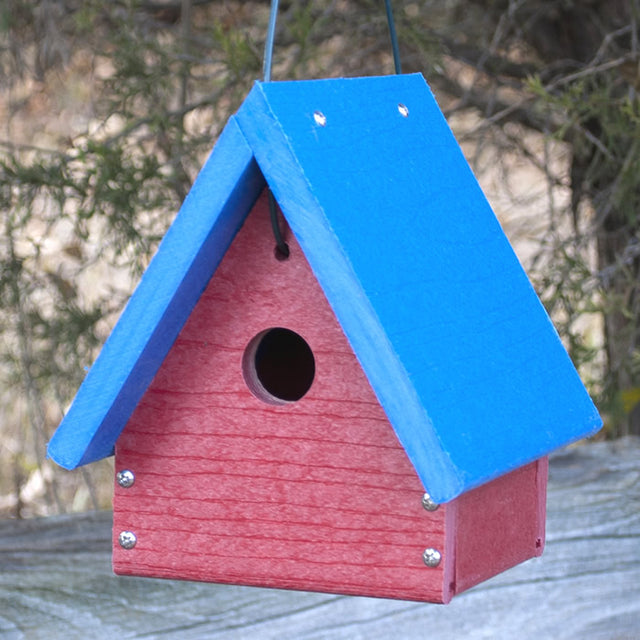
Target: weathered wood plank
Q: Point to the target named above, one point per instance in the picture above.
(56, 580)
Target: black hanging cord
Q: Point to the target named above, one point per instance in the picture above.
(282, 248)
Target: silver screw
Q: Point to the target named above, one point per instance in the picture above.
(127, 539)
(428, 503)
(125, 478)
(403, 109)
(431, 557)
(320, 118)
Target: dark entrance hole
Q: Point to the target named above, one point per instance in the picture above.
(278, 366)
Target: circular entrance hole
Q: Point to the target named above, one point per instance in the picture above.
(278, 366)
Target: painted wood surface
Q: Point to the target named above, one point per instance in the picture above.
(313, 494)
(56, 580)
(500, 524)
(458, 349)
(214, 209)
(430, 294)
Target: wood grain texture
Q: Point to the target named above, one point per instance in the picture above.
(315, 494)
(56, 580)
(500, 524)
(455, 343)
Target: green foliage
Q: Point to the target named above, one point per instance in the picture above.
(87, 189)
(83, 218)
(600, 118)
(237, 50)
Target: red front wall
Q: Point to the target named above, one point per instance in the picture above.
(313, 495)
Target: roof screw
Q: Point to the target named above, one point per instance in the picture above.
(320, 118)
(428, 503)
(127, 539)
(125, 478)
(431, 557)
(403, 109)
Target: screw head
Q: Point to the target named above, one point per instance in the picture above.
(403, 109)
(127, 539)
(125, 478)
(320, 118)
(428, 503)
(431, 557)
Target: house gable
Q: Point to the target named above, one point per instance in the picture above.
(317, 493)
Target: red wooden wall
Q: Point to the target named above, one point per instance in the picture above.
(314, 494)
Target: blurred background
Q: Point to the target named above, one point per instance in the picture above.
(109, 108)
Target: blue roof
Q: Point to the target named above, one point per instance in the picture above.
(450, 333)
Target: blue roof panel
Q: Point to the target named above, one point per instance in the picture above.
(439, 312)
(426, 286)
(187, 257)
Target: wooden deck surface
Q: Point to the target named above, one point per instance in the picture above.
(56, 580)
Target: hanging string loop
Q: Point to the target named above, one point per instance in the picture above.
(268, 45)
(271, 36)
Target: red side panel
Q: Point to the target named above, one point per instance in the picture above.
(315, 494)
(500, 524)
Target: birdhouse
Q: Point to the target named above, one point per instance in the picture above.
(368, 415)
